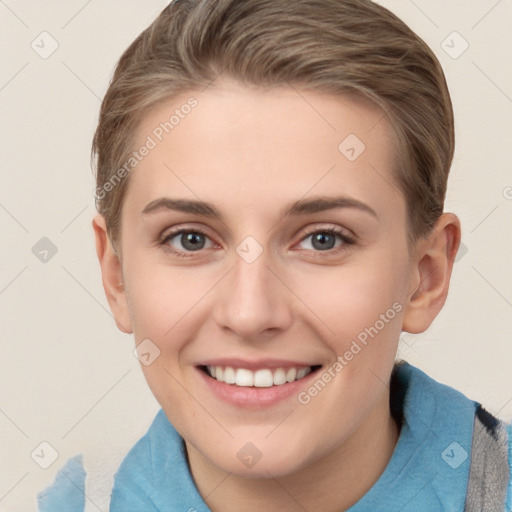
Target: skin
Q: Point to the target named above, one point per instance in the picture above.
(251, 152)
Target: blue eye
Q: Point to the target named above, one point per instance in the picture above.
(324, 240)
(190, 240)
(328, 240)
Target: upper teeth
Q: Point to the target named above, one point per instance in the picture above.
(260, 378)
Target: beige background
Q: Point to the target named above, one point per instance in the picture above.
(68, 377)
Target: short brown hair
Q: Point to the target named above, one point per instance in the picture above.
(332, 46)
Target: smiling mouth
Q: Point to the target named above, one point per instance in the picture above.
(262, 378)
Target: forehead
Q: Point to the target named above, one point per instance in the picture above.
(238, 146)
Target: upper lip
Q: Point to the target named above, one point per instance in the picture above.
(256, 364)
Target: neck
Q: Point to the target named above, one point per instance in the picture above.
(331, 484)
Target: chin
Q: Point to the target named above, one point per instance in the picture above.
(264, 469)
(261, 459)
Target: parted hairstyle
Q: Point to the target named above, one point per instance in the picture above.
(331, 46)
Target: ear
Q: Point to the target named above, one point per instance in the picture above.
(112, 276)
(431, 276)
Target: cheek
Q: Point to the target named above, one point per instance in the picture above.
(161, 300)
(161, 297)
(352, 301)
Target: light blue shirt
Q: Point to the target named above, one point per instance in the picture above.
(428, 471)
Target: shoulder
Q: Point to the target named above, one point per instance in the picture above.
(489, 479)
(140, 460)
(134, 480)
(483, 446)
(154, 476)
(509, 494)
(417, 395)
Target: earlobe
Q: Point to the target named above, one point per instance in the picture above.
(112, 276)
(431, 277)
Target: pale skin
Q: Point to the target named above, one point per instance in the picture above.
(251, 153)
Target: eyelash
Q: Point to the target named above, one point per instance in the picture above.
(347, 241)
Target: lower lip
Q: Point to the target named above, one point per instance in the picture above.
(252, 397)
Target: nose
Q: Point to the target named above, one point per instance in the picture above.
(253, 300)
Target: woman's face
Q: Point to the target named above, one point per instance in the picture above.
(263, 238)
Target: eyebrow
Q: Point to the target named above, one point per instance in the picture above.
(300, 207)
